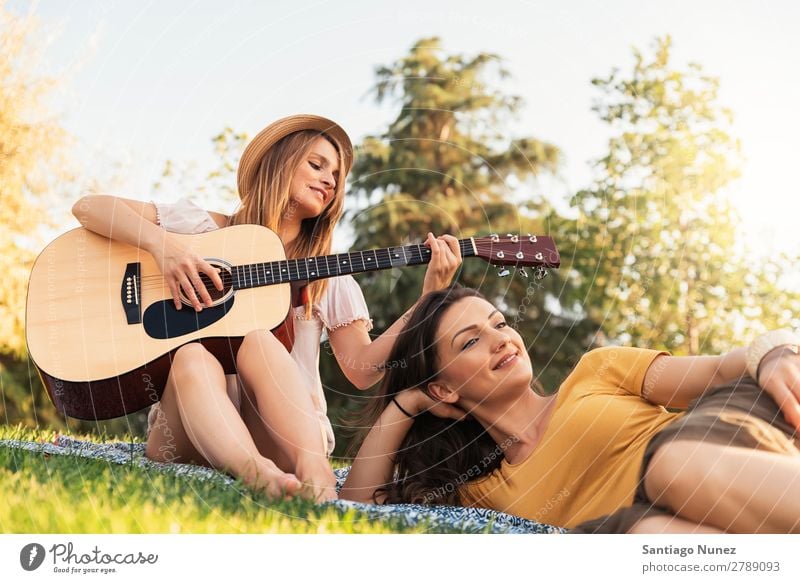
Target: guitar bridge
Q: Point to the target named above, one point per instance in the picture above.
(131, 293)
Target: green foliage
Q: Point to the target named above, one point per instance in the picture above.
(447, 164)
(68, 494)
(32, 158)
(653, 259)
(654, 251)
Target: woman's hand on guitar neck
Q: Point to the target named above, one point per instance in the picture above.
(181, 268)
(445, 259)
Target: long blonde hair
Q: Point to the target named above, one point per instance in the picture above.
(269, 202)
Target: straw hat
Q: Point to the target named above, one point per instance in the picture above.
(266, 138)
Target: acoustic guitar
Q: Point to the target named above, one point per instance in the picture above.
(102, 326)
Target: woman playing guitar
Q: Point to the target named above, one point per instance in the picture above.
(267, 424)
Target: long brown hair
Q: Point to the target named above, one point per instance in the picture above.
(437, 455)
(269, 203)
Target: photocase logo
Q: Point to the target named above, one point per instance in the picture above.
(31, 556)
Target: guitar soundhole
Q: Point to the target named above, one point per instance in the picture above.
(217, 296)
(227, 284)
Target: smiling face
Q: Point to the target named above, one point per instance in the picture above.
(479, 356)
(314, 182)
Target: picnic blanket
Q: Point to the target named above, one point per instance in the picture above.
(468, 520)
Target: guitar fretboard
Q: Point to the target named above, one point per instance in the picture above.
(313, 268)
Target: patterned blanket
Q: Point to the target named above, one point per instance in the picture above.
(468, 520)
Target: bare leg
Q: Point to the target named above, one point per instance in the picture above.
(671, 525)
(286, 409)
(198, 423)
(731, 488)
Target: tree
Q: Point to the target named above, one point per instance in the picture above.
(448, 163)
(655, 255)
(443, 165)
(31, 158)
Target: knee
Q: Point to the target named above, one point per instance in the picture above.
(257, 343)
(189, 360)
(672, 474)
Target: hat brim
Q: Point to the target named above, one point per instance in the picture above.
(270, 135)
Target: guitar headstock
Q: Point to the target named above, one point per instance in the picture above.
(518, 250)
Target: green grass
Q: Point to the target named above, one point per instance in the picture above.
(67, 494)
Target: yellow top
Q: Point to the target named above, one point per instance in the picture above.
(588, 461)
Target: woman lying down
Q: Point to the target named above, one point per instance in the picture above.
(459, 423)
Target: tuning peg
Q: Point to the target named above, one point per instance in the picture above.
(523, 272)
(540, 273)
(503, 272)
(495, 238)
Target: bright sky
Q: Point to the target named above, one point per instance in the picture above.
(155, 80)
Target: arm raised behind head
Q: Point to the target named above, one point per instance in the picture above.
(373, 467)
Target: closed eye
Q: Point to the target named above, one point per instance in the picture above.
(315, 166)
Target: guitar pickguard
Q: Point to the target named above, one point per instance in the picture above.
(161, 319)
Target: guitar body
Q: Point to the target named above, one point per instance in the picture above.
(102, 326)
(96, 360)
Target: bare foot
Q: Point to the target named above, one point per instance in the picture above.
(264, 475)
(318, 479)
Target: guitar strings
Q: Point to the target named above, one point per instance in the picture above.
(481, 247)
(157, 280)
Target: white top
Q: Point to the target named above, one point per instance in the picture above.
(342, 304)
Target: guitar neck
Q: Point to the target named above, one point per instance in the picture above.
(324, 266)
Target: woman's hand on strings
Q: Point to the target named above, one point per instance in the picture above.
(445, 259)
(181, 268)
(779, 377)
